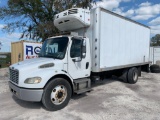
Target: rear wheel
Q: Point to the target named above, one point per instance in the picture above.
(133, 75)
(56, 94)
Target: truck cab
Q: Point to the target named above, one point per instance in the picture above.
(62, 68)
(72, 52)
(62, 58)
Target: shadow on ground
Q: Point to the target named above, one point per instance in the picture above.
(26, 104)
(39, 105)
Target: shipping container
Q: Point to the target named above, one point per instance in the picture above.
(19, 53)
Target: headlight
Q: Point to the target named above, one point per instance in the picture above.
(33, 80)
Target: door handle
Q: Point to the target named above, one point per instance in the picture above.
(87, 65)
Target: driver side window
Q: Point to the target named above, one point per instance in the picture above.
(75, 48)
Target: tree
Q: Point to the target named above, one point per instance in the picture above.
(155, 41)
(61, 5)
(35, 17)
(0, 45)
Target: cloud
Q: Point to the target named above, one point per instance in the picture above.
(125, 0)
(6, 37)
(155, 26)
(155, 29)
(155, 21)
(149, 10)
(142, 17)
(145, 4)
(128, 13)
(1, 26)
(6, 40)
(146, 11)
(109, 4)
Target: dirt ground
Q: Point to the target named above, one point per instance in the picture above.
(110, 100)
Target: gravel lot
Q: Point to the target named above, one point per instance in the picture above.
(110, 100)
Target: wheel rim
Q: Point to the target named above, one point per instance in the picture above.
(135, 76)
(58, 94)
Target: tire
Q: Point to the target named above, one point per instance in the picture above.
(155, 68)
(132, 75)
(56, 94)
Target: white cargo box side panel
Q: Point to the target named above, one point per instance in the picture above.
(121, 42)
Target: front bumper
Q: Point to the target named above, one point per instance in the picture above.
(26, 94)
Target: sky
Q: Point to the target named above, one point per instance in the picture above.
(146, 12)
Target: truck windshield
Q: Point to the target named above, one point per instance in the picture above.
(54, 48)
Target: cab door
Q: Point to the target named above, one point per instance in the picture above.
(79, 58)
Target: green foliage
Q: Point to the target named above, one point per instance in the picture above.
(4, 62)
(61, 5)
(35, 17)
(155, 41)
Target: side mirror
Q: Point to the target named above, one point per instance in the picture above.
(76, 59)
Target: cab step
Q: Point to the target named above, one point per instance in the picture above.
(82, 85)
(83, 91)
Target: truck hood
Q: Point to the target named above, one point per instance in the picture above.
(36, 62)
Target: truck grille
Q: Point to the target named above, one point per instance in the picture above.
(72, 11)
(14, 75)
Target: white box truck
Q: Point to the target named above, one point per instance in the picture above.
(99, 43)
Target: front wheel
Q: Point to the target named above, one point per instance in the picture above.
(56, 94)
